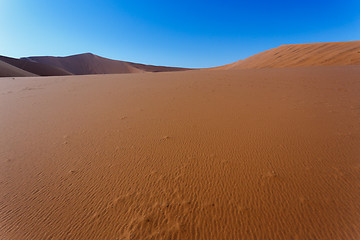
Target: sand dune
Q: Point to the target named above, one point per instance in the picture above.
(35, 68)
(237, 154)
(224, 67)
(8, 70)
(84, 64)
(295, 55)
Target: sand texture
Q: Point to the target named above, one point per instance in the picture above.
(237, 154)
(295, 55)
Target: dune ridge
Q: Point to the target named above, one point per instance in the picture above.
(300, 55)
(34, 67)
(87, 63)
(8, 70)
(293, 55)
(81, 64)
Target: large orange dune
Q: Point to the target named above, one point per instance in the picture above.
(297, 55)
(236, 154)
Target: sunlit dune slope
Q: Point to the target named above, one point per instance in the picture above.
(296, 55)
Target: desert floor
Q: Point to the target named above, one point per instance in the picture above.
(238, 154)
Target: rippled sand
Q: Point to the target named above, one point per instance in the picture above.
(246, 154)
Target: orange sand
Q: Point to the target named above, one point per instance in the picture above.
(300, 55)
(246, 154)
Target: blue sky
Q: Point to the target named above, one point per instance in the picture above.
(173, 33)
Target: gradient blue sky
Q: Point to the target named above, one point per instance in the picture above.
(174, 33)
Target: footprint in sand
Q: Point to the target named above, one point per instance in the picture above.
(271, 174)
(165, 138)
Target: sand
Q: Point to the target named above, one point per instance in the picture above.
(236, 154)
(300, 55)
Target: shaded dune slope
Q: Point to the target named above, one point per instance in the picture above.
(296, 55)
(34, 67)
(83, 64)
(8, 70)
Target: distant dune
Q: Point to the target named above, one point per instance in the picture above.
(81, 64)
(8, 70)
(87, 63)
(296, 55)
(35, 68)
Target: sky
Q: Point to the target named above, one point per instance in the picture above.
(184, 33)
